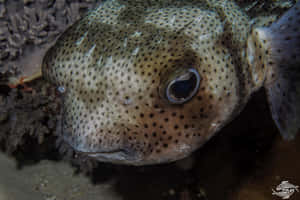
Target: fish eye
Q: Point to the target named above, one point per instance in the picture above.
(183, 87)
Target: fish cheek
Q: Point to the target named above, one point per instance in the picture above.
(203, 112)
(174, 131)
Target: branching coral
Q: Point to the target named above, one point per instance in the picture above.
(29, 27)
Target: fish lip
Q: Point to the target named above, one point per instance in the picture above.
(119, 156)
(104, 152)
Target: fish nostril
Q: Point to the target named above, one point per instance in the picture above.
(61, 89)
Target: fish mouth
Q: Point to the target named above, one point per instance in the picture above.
(104, 152)
(118, 156)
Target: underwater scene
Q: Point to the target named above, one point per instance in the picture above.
(149, 99)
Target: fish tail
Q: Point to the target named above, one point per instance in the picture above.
(279, 47)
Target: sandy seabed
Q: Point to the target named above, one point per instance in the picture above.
(49, 180)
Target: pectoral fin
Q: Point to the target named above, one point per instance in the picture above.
(280, 54)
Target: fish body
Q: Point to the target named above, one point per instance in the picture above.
(150, 82)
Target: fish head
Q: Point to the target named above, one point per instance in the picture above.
(143, 93)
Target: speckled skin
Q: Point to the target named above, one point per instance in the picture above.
(115, 63)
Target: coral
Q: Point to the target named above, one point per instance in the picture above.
(29, 27)
(25, 114)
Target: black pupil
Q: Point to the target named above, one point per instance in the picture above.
(183, 89)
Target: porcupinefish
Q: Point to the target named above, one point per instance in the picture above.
(148, 82)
